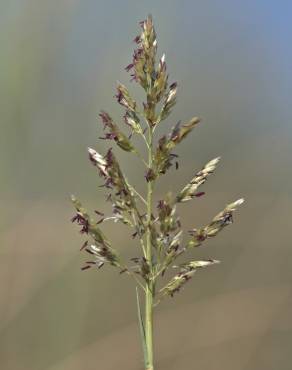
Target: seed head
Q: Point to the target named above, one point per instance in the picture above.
(159, 230)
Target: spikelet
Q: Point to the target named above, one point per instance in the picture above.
(132, 120)
(218, 223)
(194, 265)
(102, 249)
(163, 157)
(142, 66)
(123, 199)
(124, 98)
(186, 272)
(176, 283)
(114, 133)
(190, 190)
(169, 102)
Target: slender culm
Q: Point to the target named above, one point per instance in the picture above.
(156, 226)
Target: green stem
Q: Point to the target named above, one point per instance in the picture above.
(149, 327)
(149, 295)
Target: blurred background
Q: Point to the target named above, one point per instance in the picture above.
(59, 64)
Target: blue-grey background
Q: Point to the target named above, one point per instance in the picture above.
(60, 60)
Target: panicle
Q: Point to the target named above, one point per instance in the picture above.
(162, 227)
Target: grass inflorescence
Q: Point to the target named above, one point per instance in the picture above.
(157, 228)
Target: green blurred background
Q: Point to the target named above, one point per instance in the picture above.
(60, 60)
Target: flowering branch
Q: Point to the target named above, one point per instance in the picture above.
(158, 228)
